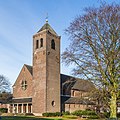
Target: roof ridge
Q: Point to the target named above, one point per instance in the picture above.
(29, 67)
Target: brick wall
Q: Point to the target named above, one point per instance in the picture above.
(74, 107)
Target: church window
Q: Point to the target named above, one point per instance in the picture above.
(24, 85)
(41, 42)
(73, 93)
(37, 44)
(53, 103)
(53, 44)
(69, 106)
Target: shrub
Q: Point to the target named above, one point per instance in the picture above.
(66, 113)
(52, 114)
(77, 113)
(86, 113)
(46, 114)
(58, 114)
(83, 112)
(3, 110)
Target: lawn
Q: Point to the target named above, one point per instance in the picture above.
(28, 118)
(34, 118)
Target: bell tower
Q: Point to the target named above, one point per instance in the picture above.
(46, 71)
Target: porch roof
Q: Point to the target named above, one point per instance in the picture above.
(22, 100)
(75, 100)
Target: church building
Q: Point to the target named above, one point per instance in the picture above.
(41, 88)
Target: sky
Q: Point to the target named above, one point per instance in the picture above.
(21, 19)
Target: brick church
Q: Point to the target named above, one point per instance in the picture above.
(41, 88)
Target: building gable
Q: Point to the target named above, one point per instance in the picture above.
(23, 85)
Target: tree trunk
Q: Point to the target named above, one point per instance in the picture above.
(113, 106)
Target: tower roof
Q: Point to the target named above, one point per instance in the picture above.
(46, 26)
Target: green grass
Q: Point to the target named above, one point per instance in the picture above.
(35, 118)
(28, 118)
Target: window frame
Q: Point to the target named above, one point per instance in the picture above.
(24, 84)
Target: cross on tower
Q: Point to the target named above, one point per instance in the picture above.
(46, 17)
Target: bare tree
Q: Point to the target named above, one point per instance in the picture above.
(5, 97)
(95, 49)
(4, 84)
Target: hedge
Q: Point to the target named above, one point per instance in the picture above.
(83, 112)
(50, 114)
(3, 110)
(90, 114)
(66, 113)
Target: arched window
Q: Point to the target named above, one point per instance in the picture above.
(37, 44)
(41, 42)
(53, 44)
